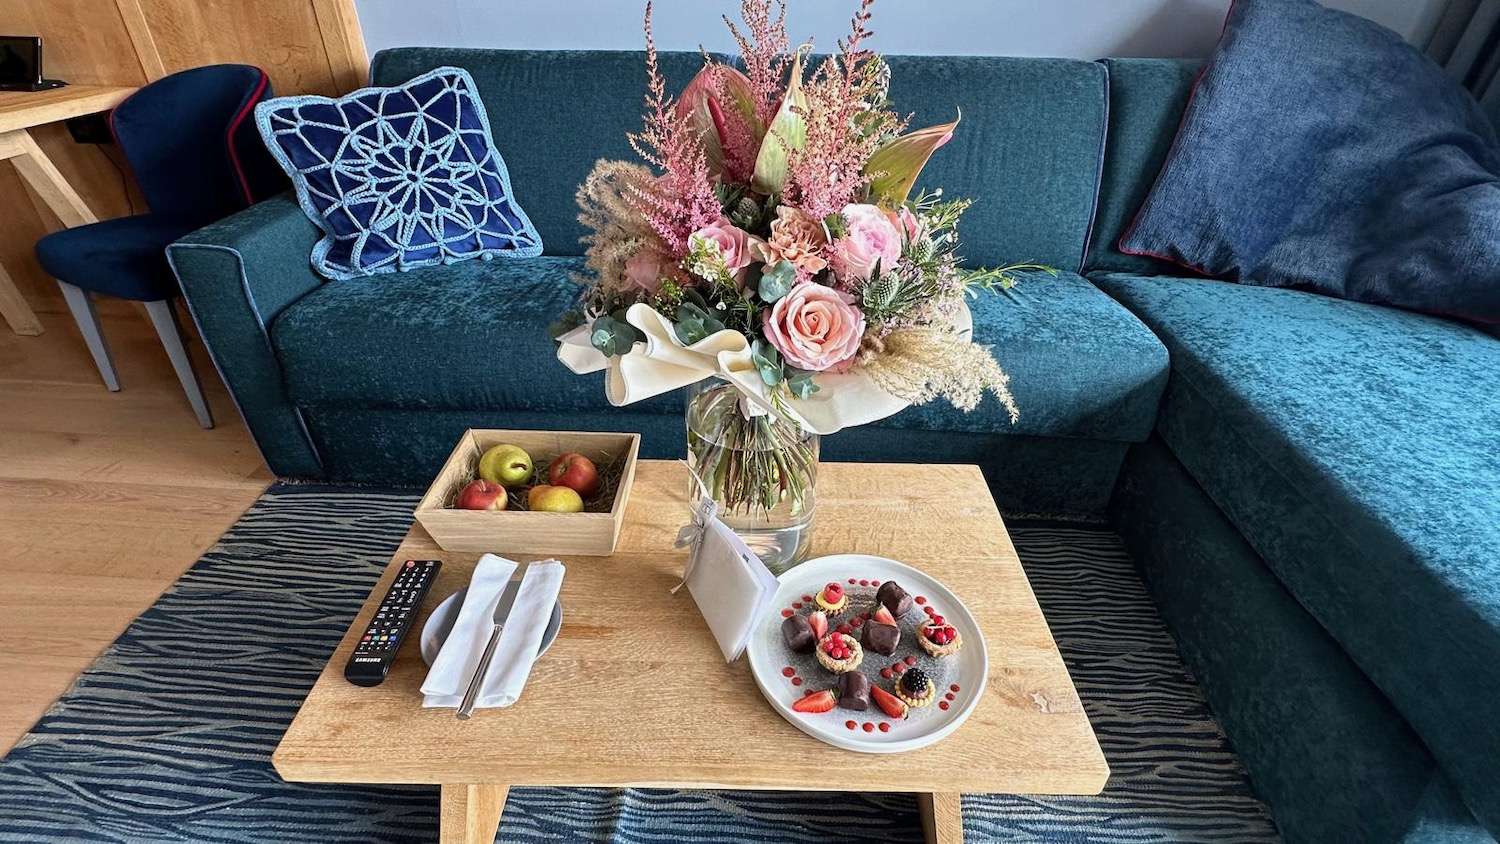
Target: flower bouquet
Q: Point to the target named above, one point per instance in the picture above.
(770, 252)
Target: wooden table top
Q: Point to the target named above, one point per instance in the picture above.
(635, 691)
(25, 109)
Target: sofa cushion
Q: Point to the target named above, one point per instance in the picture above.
(1321, 151)
(1146, 101)
(1031, 137)
(474, 336)
(470, 336)
(400, 177)
(1357, 448)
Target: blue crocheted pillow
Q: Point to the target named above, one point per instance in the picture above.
(398, 178)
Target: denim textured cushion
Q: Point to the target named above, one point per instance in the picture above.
(1355, 447)
(1146, 101)
(1323, 152)
(124, 257)
(399, 178)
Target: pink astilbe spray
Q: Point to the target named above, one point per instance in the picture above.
(764, 46)
(682, 200)
(847, 121)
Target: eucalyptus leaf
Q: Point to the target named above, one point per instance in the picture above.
(800, 383)
(778, 282)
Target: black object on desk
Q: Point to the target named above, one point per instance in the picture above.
(21, 64)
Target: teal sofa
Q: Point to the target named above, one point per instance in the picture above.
(1309, 486)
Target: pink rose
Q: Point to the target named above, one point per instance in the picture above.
(734, 244)
(869, 238)
(908, 222)
(646, 269)
(815, 328)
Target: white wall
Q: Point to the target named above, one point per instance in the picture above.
(1078, 28)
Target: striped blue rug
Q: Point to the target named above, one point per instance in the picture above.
(168, 737)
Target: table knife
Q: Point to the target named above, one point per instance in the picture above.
(502, 611)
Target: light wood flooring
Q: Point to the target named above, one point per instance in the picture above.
(105, 498)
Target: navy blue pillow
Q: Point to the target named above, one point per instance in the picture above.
(399, 178)
(1321, 151)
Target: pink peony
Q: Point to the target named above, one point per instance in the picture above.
(870, 238)
(815, 327)
(734, 244)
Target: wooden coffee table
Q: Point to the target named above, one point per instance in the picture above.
(636, 692)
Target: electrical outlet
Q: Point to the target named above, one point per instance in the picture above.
(90, 129)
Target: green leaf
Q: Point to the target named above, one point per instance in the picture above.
(613, 337)
(787, 134)
(768, 362)
(896, 166)
(800, 383)
(777, 282)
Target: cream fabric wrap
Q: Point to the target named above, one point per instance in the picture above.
(662, 363)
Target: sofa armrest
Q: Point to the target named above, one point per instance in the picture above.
(237, 275)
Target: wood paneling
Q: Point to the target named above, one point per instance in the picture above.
(307, 46)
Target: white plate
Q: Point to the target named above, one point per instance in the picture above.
(440, 624)
(969, 668)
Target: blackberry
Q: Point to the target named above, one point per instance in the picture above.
(914, 682)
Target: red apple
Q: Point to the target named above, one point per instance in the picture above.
(554, 499)
(575, 472)
(482, 495)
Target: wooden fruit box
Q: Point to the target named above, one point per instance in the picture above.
(592, 533)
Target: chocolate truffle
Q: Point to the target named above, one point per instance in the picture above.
(894, 598)
(880, 638)
(799, 635)
(854, 691)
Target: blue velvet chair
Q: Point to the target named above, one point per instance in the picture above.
(191, 140)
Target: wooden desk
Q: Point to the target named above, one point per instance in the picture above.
(19, 112)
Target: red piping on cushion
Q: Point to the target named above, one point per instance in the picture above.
(234, 126)
(1176, 141)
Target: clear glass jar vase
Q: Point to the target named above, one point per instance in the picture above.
(761, 469)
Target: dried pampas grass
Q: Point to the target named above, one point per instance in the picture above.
(617, 231)
(918, 365)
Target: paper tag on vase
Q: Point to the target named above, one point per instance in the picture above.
(732, 587)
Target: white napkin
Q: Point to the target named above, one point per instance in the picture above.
(517, 649)
(730, 584)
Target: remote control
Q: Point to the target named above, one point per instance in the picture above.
(373, 655)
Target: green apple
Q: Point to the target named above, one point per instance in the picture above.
(506, 464)
(554, 499)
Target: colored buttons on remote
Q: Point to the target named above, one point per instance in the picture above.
(377, 646)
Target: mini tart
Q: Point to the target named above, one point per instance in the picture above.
(840, 666)
(831, 608)
(933, 648)
(917, 702)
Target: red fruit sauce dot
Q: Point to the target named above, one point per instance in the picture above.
(864, 583)
(885, 728)
(852, 581)
(789, 672)
(931, 613)
(850, 724)
(865, 615)
(806, 598)
(845, 629)
(911, 660)
(943, 704)
(787, 613)
(796, 681)
(806, 692)
(858, 622)
(796, 605)
(921, 600)
(953, 688)
(869, 728)
(899, 668)
(886, 673)
(949, 696)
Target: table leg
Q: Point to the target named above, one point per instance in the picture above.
(942, 817)
(18, 315)
(43, 176)
(471, 813)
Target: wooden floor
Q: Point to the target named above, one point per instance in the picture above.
(105, 498)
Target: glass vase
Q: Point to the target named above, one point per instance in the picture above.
(761, 469)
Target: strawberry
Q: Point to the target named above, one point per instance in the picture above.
(819, 623)
(883, 615)
(833, 593)
(817, 702)
(891, 705)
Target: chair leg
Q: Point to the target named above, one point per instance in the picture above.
(164, 317)
(82, 306)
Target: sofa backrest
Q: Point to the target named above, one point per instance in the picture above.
(1146, 100)
(1028, 150)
